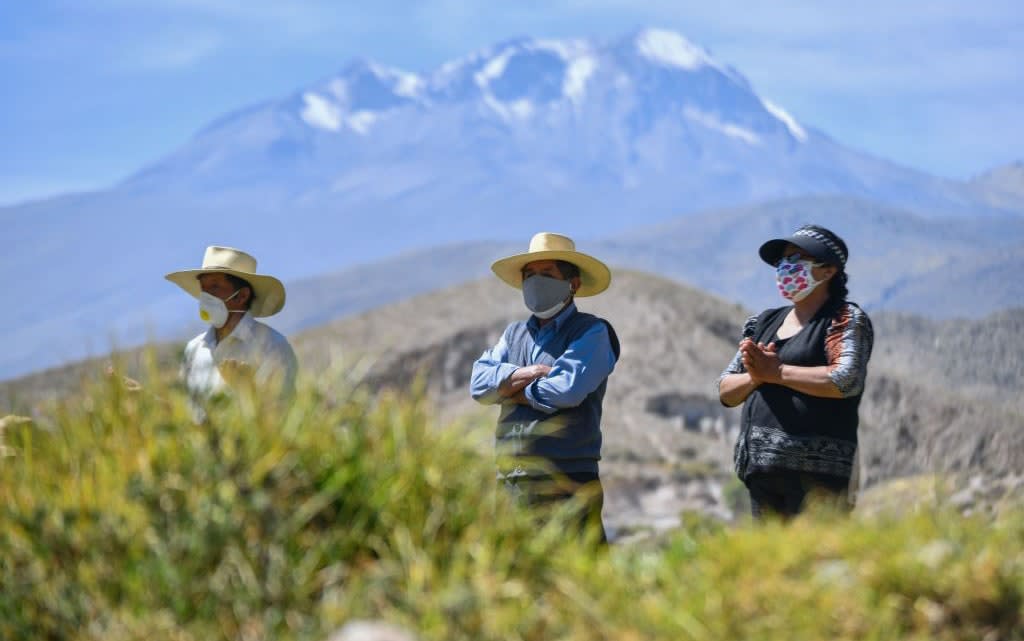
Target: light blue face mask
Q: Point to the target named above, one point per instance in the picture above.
(545, 296)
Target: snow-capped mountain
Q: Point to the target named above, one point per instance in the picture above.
(651, 125)
(582, 136)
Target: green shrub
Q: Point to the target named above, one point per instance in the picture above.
(122, 519)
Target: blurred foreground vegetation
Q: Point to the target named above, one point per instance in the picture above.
(122, 519)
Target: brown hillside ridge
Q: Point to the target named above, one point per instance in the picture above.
(21, 394)
(941, 397)
(981, 360)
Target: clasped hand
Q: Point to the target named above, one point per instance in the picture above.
(761, 361)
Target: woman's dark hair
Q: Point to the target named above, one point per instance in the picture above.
(837, 290)
(239, 283)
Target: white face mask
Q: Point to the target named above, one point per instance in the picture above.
(214, 310)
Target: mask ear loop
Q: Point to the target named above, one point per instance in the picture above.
(235, 311)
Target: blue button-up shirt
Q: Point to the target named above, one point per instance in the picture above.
(576, 373)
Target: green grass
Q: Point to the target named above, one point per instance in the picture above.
(121, 519)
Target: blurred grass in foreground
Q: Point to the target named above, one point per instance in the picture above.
(121, 519)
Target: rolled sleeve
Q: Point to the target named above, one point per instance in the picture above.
(848, 346)
(489, 372)
(579, 371)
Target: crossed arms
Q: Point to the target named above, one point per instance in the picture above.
(584, 365)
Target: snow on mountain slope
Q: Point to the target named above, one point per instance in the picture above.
(590, 137)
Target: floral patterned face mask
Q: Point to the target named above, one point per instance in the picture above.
(794, 278)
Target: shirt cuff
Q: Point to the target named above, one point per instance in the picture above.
(536, 403)
(489, 394)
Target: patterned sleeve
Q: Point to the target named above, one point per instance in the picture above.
(848, 346)
(736, 364)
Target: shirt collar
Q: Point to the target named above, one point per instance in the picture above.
(559, 320)
(241, 332)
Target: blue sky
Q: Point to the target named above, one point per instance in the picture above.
(96, 89)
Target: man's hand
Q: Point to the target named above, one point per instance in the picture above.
(761, 361)
(514, 385)
(237, 374)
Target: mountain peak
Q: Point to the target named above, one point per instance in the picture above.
(523, 79)
(358, 95)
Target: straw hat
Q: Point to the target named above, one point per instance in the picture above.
(267, 291)
(594, 275)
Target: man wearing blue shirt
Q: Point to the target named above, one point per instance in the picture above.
(549, 375)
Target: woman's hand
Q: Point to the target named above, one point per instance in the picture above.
(761, 361)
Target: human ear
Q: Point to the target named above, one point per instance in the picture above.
(574, 282)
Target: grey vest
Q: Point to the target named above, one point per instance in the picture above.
(569, 439)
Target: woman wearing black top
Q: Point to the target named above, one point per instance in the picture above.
(800, 373)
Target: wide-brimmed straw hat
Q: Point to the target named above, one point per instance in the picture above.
(267, 292)
(594, 275)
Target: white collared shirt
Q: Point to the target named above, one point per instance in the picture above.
(250, 342)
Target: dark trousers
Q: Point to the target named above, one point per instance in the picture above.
(549, 491)
(784, 493)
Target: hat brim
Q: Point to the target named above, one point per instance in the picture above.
(595, 277)
(268, 292)
(771, 251)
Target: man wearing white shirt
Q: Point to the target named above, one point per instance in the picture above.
(237, 350)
